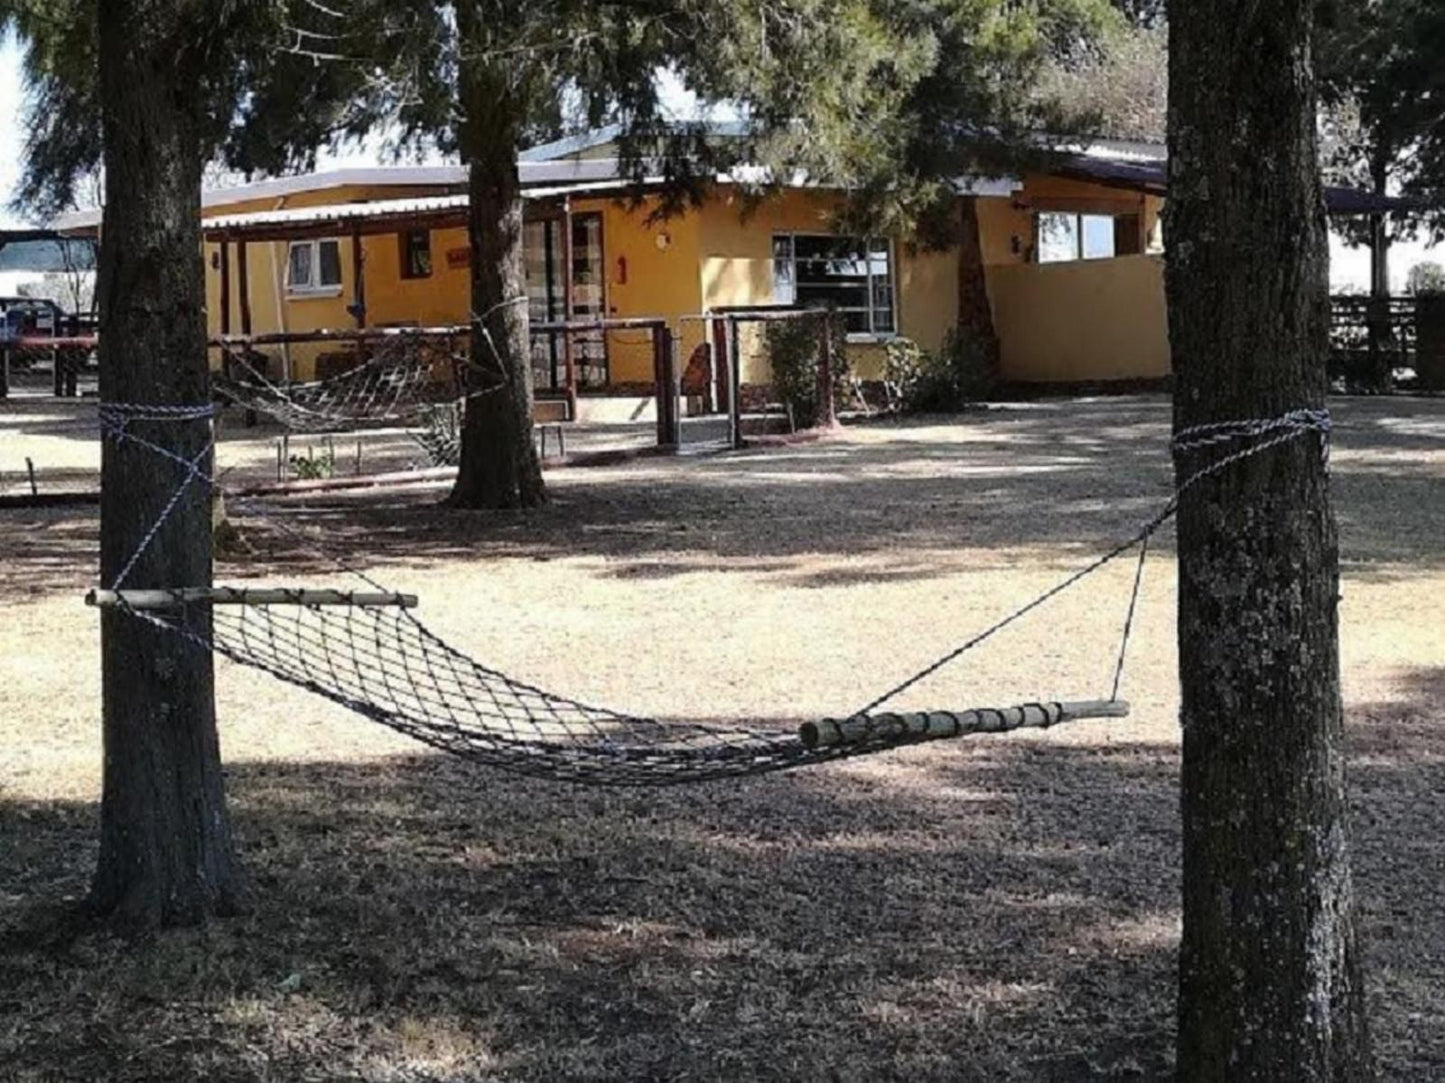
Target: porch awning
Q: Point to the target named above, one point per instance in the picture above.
(376, 216)
(1151, 176)
(41, 250)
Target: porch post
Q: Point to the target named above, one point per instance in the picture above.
(665, 374)
(243, 286)
(358, 278)
(225, 254)
(569, 358)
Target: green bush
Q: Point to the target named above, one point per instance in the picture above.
(794, 348)
(311, 467)
(940, 382)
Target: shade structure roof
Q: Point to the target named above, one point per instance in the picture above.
(1151, 176)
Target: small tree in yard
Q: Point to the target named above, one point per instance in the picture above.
(1269, 977)
(973, 108)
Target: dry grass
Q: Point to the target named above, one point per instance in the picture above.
(995, 909)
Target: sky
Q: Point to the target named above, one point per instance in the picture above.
(1349, 268)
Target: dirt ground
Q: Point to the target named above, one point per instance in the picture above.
(985, 909)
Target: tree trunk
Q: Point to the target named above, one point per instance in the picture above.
(499, 465)
(1381, 354)
(166, 855)
(1269, 984)
(975, 314)
(1379, 229)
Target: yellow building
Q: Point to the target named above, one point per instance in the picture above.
(1072, 260)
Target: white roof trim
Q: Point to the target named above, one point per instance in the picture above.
(382, 208)
(337, 212)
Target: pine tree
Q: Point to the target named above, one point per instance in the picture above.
(1384, 92)
(150, 90)
(891, 99)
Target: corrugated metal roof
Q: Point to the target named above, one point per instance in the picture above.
(372, 211)
(337, 212)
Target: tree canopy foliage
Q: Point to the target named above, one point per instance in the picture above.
(1384, 90)
(1120, 91)
(888, 96)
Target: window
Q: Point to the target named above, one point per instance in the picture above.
(853, 275)
(314, 267)
(1064, 236)
(415, 253)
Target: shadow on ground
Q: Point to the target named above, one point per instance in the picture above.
(985, 910)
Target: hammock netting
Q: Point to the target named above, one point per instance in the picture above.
(382, 663)
(440, 433)
(397, 377)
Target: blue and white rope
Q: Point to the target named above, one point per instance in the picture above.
(115, 422)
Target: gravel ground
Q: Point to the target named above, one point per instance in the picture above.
(989, 909)
(61, 439)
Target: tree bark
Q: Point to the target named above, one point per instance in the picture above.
(975, 314)
(499, 465)
(166, 854)
(1270, 984)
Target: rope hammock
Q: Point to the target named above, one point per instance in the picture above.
(367, 652)
(440, 433)
(402, 373)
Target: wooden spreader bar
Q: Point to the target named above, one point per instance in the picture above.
(935, 725)
(182, 596)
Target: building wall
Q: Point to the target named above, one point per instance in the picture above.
(647, 277)
(1078, 322)
(737, 269)
(1092, 320)
(440, 299)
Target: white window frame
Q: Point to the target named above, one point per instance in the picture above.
(1079, 255)
(308, 289)
(870, 335)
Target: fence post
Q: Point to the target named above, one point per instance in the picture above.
(722, 367)
(735, 382)
(665, 373)
(827, 411)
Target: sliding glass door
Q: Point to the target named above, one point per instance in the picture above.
(546, 260)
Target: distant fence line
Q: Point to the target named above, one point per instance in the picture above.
(1372, 339)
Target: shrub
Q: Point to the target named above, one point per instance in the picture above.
(793, 354)
(938, 382)
(311, 467)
